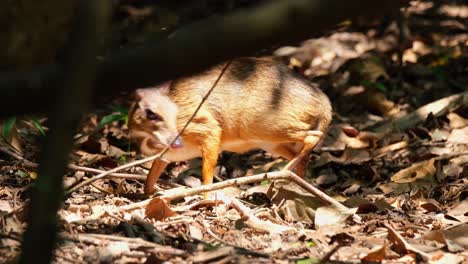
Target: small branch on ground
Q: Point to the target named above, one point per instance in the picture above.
(178, 193)
(251, 220)
(181, 192)
(114, 170)
(133, 243)
(33, 165)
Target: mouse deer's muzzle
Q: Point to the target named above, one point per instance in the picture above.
(177, 143)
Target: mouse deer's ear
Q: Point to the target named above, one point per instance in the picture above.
(165, 87)
(140, 93)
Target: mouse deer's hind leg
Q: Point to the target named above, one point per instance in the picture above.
(289, 151)
(311, 139)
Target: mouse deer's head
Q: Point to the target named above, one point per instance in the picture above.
(153, 119)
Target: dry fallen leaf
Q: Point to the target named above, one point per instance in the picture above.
(195, 232)
(457, 121)
(424, 170)
(460, 211)
(5, 207)
(294, 203)
(379, 254)
(458, 136)
(455, 239)
(338, 139)
(158, 210)
(331, 215)
(458, 234)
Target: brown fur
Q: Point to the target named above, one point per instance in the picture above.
(258, 103)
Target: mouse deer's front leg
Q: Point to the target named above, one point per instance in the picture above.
(157, 168)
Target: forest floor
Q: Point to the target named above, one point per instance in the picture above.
(396, 154)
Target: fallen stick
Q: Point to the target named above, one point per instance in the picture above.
(32, 165)
(133, 243)
(181, 192)
(251, 220)
(107, 173)
(178, 193)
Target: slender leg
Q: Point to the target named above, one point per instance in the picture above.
(210, 148)
(156, 170)
(310, 141)
(288, 151)
(210, 159)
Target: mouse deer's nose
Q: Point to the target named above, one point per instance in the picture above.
(177, 143)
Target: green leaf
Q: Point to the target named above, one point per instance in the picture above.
(366, 83)
(111, 118)
(8, 126)
(380, 87)
(296, 244)
(375, 85)
(308, 261)
(38, 126)
(22, 174)
(265, 182)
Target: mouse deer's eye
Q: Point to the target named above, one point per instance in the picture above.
(152, 116)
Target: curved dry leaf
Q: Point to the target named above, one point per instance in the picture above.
(331, 215)
(379, 254)
(338, 139)
(457, 121)
(5, 207)
(430, 205)
(195, 232)
(326, 177)
(458, 135)
(424, 170)
(456, 240)
(158, 210)
(439, 135)
(364, 206)
(294, 203)
(458, 234)
(460, 209)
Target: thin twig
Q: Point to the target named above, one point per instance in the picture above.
(107, 173)
(327, 256)
(133, 243)
(17, 156)
(253, 221)
(32, 165)
(177, 193)
(153, 157)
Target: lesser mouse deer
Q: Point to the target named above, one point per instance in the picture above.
(257, 103)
